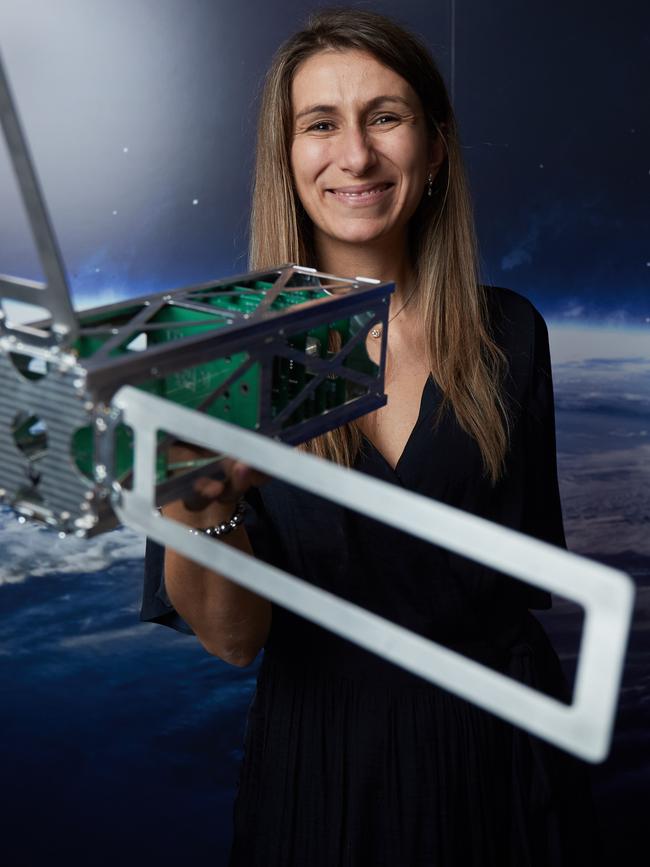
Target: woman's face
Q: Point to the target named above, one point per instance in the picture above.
(360, 153)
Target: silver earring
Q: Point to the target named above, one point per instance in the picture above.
(430, 183)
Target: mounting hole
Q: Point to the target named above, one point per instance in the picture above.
(226, 394)
(244, 388)
(30, 435)
(28, 366)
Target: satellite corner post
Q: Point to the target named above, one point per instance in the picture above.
(248, 367)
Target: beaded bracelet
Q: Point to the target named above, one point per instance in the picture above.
(225, 528)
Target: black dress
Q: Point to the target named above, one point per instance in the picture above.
(351, 760)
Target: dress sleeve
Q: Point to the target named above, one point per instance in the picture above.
(542, 512)
(157, 607)
(542, 509)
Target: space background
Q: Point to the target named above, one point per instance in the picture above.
(120, 741)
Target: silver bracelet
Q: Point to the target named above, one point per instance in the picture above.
(225, 528)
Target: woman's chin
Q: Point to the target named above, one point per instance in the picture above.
(360, 235)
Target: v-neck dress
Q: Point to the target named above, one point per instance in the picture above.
(351, 760)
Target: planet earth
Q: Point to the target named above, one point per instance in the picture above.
(121, 740)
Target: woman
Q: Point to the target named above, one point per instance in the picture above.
(350, 760)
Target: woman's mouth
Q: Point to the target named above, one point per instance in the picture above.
(365, 194)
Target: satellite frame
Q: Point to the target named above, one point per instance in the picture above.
(247, 367)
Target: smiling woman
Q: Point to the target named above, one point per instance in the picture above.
(349, 759)
(355, 101)
(360, 159)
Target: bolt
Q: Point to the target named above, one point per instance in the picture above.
(100, 472)
(100, 425)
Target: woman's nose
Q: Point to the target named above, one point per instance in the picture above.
(356, 154)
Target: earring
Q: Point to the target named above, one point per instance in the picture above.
(430, 183)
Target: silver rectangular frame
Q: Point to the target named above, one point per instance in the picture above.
(607, 595)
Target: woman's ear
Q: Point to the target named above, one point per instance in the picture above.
(437, 151)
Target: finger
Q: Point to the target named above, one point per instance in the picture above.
(187, 451)
(210, 488)
(244, 476)
(239, 474)
(194, 502)
(206, 491)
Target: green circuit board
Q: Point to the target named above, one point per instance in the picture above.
(194, 386)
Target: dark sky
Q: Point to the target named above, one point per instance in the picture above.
(141, 118)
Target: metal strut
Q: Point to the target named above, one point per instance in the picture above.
(54, 294)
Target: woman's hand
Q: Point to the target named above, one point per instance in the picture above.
(224, 484)
(230, 621)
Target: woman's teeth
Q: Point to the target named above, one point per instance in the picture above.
(365, 194)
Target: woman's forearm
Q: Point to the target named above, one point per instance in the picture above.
(230, 621)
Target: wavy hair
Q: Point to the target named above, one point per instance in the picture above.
(466, 363)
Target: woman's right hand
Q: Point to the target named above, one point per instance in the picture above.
(224, 485)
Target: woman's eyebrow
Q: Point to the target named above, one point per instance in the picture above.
(373, 103)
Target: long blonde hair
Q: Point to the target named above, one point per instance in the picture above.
(466, 363)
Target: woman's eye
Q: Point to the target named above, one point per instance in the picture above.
(387, 118)
(318, 126)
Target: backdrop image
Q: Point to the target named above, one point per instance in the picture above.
(120, 741)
